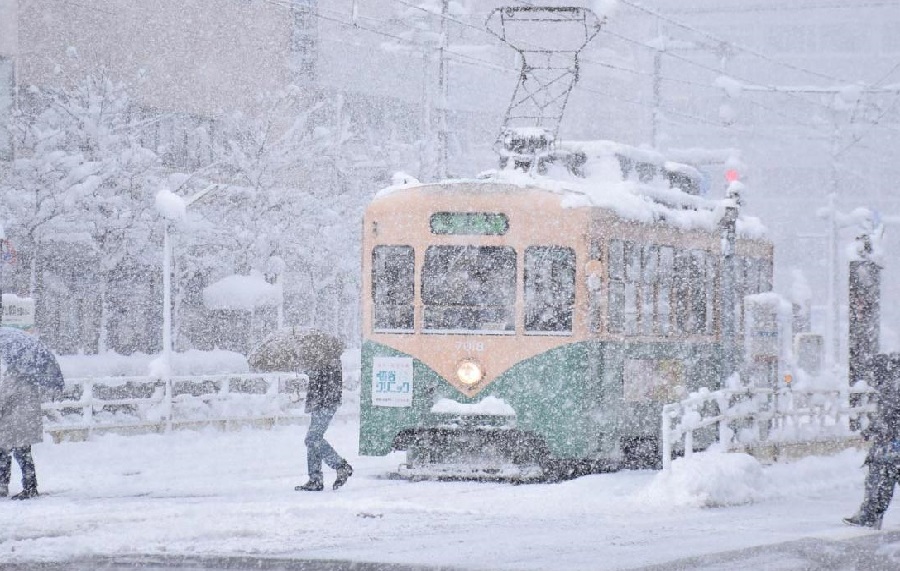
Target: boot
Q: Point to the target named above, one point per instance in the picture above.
(26, 494)
(314, 485)
(860, 521)
(344, 471)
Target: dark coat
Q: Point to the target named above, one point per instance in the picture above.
(884, 430)
(21, 419)
(325, 386)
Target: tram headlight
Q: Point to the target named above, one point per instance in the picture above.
(469, 372)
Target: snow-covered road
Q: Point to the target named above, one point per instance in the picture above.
(223, 494)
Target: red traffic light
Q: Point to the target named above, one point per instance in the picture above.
(732, 175)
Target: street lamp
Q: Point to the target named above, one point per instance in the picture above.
(172, 208)
(2, 261)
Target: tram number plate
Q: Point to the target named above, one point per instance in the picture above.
(392, 381)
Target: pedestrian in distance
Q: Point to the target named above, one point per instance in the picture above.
(321, 357)
(21, 425)
(29, 374)
(883, 458)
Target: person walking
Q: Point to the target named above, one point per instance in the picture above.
(21, 425)
(883, 458)
(320, 354)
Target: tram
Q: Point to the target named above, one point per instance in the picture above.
(535, 325)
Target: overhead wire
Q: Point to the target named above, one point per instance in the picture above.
(739, 47)
(475, 61)
(643, 73)
(798, 7)
(514, 71)
(770, 59)
(689, 61)
(875, 123)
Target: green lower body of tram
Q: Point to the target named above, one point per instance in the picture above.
(571, 410)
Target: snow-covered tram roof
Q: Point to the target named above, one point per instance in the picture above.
(603, 187)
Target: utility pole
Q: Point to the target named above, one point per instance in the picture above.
(661, 45)
(443, 135)
(728, 227)
(2, 261)
(657, 87)
(832, 356)
(433, 154)
(657, 98)
(304, 45)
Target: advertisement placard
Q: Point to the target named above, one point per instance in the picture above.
(18, 312)
(392, 381)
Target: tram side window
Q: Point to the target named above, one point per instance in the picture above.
(681, 290)
(664, 290)
(645, 171)
(691, 291)
(632, 287)
(549, 288)
(624, 281)
(393, 268)
(616, 286)
(759, 274)
(765, 275)
(711, 270)
(754, 275)
(747, 280)
(596, 287)
(698, 300)
(650, 264)
(469, 288)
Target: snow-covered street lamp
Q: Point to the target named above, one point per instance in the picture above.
(172, 208)
(2, 243)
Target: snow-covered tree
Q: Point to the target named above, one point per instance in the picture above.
(291, 177)
(283, 207)
(82, 181)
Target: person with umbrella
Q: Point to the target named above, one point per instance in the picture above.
(320, 355)
(29, 373)
(883, 458)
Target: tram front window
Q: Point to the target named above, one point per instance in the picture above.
(469, 288)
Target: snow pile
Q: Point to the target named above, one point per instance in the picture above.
(401, 178)
(720, 479)
(710, 479)
(193, 362)
(603, 186)
(170, 205)
(489, 405)
(605, 8)
(242, 292)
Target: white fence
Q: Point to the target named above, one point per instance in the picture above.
(750, 417)
(144, 404)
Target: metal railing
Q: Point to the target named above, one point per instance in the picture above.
(751, 416)
(141, 404)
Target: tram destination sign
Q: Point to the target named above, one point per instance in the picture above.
(483, 223)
